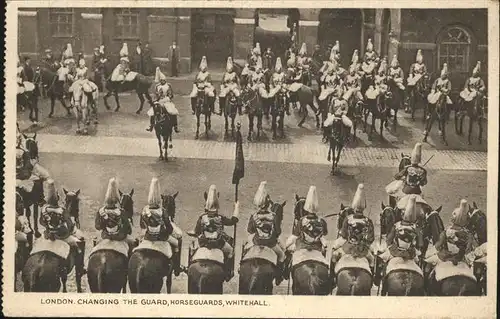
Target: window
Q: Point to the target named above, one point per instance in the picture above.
(127, 24)
(61, 22)
(208, 23)
(454, 49)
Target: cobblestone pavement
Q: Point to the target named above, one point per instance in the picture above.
(191, 177)
(300, 152)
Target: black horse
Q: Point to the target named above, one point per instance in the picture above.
(394, 99)
(418, 94)
(203, 106)
(163, 129)
(253, 105)
(23, 227)
(439, 112)
(338, 136)
(140, 84)
(379, 110)
(475, 111)
(477, 226)
(55, 88)
(229, 110)
(278, 113)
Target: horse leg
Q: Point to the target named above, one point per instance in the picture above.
(365, 114)
(274, 124)
(117, 100)
(282, 125)
(339, 151)
(443, 130)
(304, 116)
(383, 123)
(207, 128)
(471, 122)
(35, 220)
(158, 137)
(68, 110)
(105, 98)
(226, 124)
(141, 99)
(372, 128)
(480, 126)
(250, 126)
(457, 118)
(430, 122)
(165, 143)
(259, 124)
(232, 124)
(52, 104)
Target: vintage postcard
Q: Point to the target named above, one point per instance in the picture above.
(235, 158)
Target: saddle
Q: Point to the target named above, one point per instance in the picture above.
(261, 252)
(349, 261)
(303, 255)
(446, 269)
(57, 247)
(398, 263)
(161, 246)
(107, 244)
(204, 253)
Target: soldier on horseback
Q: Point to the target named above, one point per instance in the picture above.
(110, 218)
(417, 70)
(120, 72)
(164, 98)
(246, 75)
(81, 78)
(258, 79)
(65, 230)
(311, 230)
(26, 173)
(278, 83)
(353, 80)
(264, 229)
(49, 61)
(155, 228)
(332, 85)
(379, 86)
(370, 59)
(396, 73)
(442, 86)
(230, 83)
(357, 230)
(210, 230)
(203, 81)
(255, 55)
(414, 176)
(474, 86)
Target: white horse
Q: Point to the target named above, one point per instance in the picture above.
(84, 94)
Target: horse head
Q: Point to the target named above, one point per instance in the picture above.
(72, 205)
(168, 204)
(31, 145)
(477, 223)
(405, 161)
(127, 204)
(19, 204)
(278, 209)
(387, 219)
(433, 225)
(344, 212)
(78, 96)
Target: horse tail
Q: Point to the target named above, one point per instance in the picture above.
(101, 287)
(204, 281)
(353, 288)
(314, 283)
(463, 289)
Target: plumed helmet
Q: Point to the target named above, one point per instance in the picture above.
(420, 57)
(52, 197)
(369, 45)
(336, 47)
(159, 76)
(311, 204)
(355, 57)
(460, 216)
(477, 68)
(444, 71)
(410, 214)
(124, 50)
(303, 49)
(101, 49)
(278, 67)
(229, 64)
(154, 195)
(257, 48)
(383, 67)
(394, 62)
(261, 196)
(203, 63)
(416, 154)
(212, 203)
(359, 200)
(68, 53)
(112, 196)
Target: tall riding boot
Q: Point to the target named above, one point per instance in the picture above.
(332, 275)
(176, 262)
(279, 272)
(229, 267)
(151, 124)
(222, 104)
(175, 123)
(193, 105)
(211, 103)
(240, 106)
(80, 258)
(286, 265)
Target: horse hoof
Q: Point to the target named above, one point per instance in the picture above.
(196, 137)
(50, 115)
(96, 122)
(170, 146)
(138, 112)
(161, 157)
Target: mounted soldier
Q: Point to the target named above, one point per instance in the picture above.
(417, 70)
(264, 229)
(210, 230)
(111, 221)
(268, 59)
(255, 55)
(332, 85)
(59, 226)
(441, 86)
(258, 79)
(278, 83)
(246, 75)
(353, 80)
(49, 61)
(23, 75)
(396, 73)
(370, 59)
(230, 83)
(157, 230)
(119, 74)
(26, 171)
(203, 81)
(379, 87)
(164, 96)
(81, 78)
(474, 86)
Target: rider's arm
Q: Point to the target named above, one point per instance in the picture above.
(434, 85)
(142, 222)
(325, 227)
(482, 86)
(412, 69)
(466, 85)
(199, 227)
(423, 182)
(447, 88)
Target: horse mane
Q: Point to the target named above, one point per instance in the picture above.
(435, 222)
(405, 161)
(479, 226)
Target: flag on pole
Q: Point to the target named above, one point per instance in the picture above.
(239, 165)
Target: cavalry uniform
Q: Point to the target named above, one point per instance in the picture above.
(65, 229)
(417, 70)
(380, 83)
(264, 229)
(370, 59)
(81, 78)
(164, 94)
(356, 234)
(332, 84)
(355, 62)
(396, 73)
(246, 75)
(26, 171)
(442, 85)
(120, 72)
(474, 86)
(353, 84)
(210, 229)
(412, 178)
(203, 81)
(20, 83)
(49, 61)
(302, 59)
(110, 219)
(64, 73)
(277, 79)
(256, 53)
(158, 230)
(230, 83)
(267, 59)
(258, 79)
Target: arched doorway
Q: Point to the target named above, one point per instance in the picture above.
(343, 25)
(273, 28)
(212, 35)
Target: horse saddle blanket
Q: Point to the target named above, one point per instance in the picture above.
(131, 76)
(162, 247)
(106, 244)
(368, 67)
(28, 86)
(433, 97)
(294, 87)
(394, 188)
(447, 269)
(420, 201)
(372, 93)
(468, 95)
(398, 263)
(349, 261)
(58, 247)
(26, 184)
(412, 80)
(261, 252)
(204, 253)
(302, 255)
